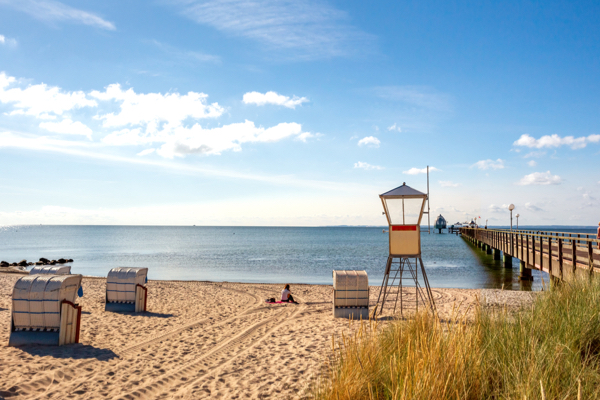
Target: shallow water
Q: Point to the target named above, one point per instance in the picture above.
(254, 254)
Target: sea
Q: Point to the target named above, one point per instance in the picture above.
(259, 254)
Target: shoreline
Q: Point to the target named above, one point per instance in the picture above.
(20, 272)
(199, 339)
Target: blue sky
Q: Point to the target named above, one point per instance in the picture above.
(297, 112)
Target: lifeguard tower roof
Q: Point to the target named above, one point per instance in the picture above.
(404, 191)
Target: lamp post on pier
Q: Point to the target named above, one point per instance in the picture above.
(517, 221)
(511, 208)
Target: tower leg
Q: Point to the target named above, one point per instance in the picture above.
(427, 287)
(422, 294)
(383, 289)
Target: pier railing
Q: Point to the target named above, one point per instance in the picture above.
(563, 255)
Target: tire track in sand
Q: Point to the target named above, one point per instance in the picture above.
(179, 380)
(67, 373)
(167, 335)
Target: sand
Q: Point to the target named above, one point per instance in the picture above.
(198, 340)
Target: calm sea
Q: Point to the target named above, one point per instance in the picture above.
(255, 254)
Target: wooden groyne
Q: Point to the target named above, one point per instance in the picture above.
(562, 255)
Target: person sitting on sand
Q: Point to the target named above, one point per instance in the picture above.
(286, 295)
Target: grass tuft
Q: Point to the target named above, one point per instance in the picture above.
(550, 350)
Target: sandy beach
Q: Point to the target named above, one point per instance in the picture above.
(197, 340)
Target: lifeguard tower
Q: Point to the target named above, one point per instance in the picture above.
(404, 209)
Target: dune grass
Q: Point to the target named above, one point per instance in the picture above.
(549, 350)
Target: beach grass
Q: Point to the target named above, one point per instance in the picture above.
(548, 350)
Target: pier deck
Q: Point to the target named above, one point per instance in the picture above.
(562, 255)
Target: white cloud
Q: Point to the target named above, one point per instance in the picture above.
(154, 108)
(307, 28)
(448, 183)
(536, 154)
(487, 164)
(182, 141)
(40, 100)
(129, 137)
(44, 143)
(68, 127)
(416, 171)
(498, 209)
(540, 178)
(556, 141)
(394, 128)
(145, 152)
(48, 10)
(6, 80)
(92, 150)
(532, 163)
(273, 98)
(417, 96)
(7, 41)
(588, 197)
(197, 140)
(364, 165)
(370, 141)
(169, 120)
(532, 207)
(303, 137)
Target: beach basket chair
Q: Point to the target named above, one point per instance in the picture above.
(350, 294)
(50, 270)
(44, 311)
(126, 289)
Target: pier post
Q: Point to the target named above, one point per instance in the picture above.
(488, 249)
(497, 254)
(524, 272)
(507, 261)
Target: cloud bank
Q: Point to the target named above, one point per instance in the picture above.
(489, 164)
(550, 141)
(308, 28)
(366, 166)
(41, 101)
(540, 178)
(54, 11)
(168, 123)
(416, 171)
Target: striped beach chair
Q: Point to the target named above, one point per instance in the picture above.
(44, 310)
(126, 289)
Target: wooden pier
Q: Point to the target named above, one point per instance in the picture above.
(562, 255)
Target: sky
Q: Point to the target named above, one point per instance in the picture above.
(297, 113)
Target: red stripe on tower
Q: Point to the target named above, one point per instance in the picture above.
(404, 227)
